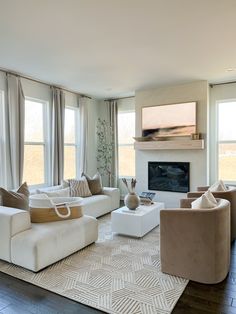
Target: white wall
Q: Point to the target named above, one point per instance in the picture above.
(196, 91)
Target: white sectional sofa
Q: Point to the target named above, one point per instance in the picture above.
(96, 205)
(37, 245)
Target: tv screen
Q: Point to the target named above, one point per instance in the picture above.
(169, 120)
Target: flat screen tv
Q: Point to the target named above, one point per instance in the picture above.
(169, 120)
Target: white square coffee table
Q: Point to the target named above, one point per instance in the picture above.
(137, 222)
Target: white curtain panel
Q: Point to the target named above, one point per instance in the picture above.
(14, 131)
(112, 115)
(58, 119)
(83, 134)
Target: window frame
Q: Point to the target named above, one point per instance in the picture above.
(45, 143)
(131, 145)
(218, 142)
(3, 174)
(77, 140)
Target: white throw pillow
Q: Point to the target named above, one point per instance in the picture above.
(210, 196)
(60, 193)
(202, 202)
(218, 186)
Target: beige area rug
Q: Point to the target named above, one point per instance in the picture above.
(117, 274)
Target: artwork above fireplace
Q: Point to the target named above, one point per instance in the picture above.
(168, 176)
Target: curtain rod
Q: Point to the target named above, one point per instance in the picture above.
(41, 82)
(222, 83)
(111, 99)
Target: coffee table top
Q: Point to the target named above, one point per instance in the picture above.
(140, 211)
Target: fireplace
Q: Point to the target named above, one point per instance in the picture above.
(168, 176)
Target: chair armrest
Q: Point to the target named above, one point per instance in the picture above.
(12, 221)
(195, 194)
(203, 188)
(114, 194)
(186, 202)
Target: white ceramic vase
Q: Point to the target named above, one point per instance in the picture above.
(132, 200)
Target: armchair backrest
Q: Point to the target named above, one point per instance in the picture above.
(229, 195)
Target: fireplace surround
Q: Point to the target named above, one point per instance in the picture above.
(169, 176)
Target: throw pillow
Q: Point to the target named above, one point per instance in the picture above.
(202, 202)
(94, 183)
(218, 186)
(65, 184)
(79, 187)
(210, 196)
(60, 193)
(18, 199)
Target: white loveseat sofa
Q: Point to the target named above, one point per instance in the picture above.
(37, 245)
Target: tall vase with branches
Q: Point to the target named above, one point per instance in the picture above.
(105, 146)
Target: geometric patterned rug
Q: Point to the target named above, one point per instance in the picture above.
(117, 274)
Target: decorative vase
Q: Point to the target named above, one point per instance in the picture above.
(132, 200)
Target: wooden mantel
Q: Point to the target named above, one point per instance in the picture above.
(172, 144)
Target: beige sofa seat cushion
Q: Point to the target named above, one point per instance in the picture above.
(46, 243)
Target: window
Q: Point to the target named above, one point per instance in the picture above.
(2, 142)
(36, 165)
(126, 131)
(227, 141)
(71, 147)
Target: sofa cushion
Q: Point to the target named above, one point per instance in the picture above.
(60, 192)
(79, 187)
(96, 205)
(202, 202)
(95, 183)
(47, 243)
(18, 199)
(218, 186)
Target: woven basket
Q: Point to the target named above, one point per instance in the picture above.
(48, 209)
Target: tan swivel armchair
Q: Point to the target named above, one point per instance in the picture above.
(195, 243)
(229, 195)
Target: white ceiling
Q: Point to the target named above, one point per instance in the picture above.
(110, 48)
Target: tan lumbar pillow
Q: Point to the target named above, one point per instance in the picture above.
(79, 187)
(210, 196)
(18, 199)
(94, 183)
(218, 186)
(202, 202)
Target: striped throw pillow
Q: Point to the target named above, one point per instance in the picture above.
(79, 187)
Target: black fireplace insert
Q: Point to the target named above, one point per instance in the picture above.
(168, 176)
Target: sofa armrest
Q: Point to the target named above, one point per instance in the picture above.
(114, 194)
(12, 221)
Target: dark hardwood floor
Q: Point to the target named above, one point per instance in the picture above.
(19, 297)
